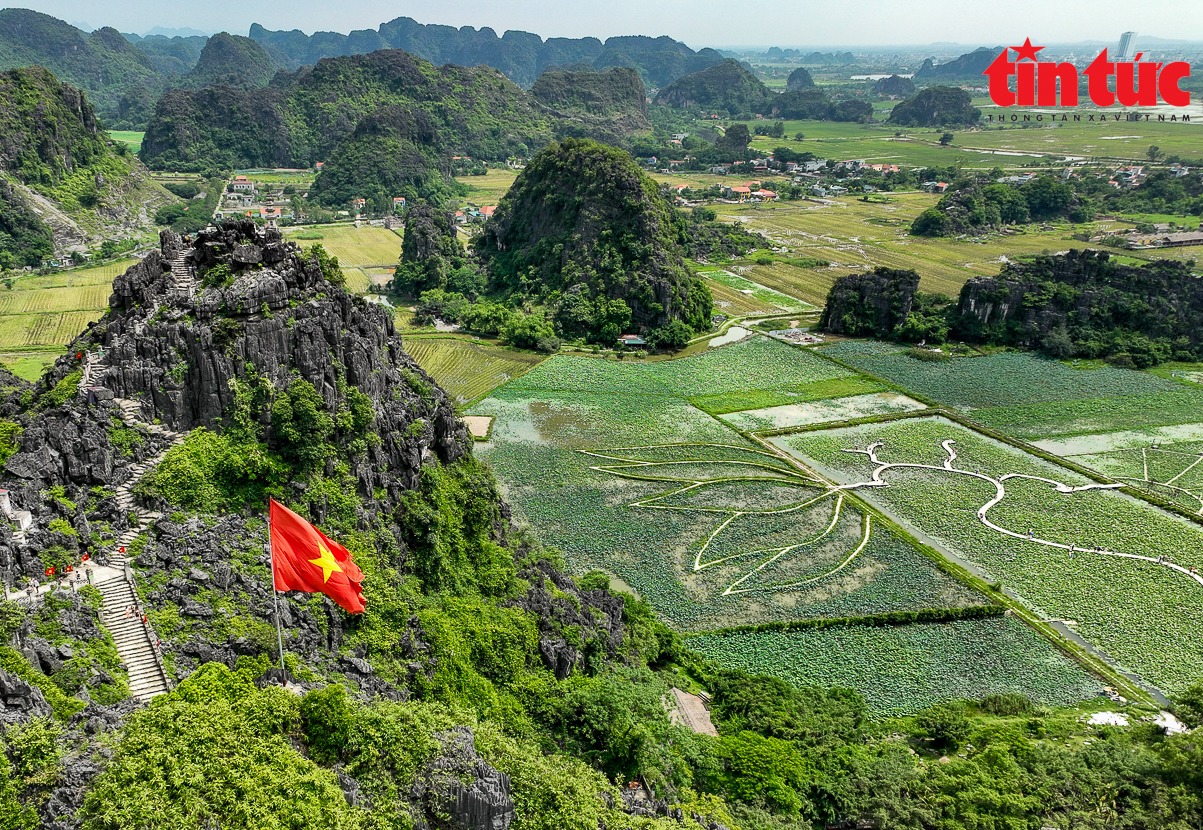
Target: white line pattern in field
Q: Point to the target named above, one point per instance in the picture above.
(1000, 493)
(636, 468)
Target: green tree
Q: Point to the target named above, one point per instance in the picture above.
(946, 139)
(301, 425)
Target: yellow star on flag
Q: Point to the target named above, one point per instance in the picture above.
(326, 562)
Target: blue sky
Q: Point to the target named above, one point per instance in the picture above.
(698, 23)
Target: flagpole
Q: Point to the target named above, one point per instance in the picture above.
(275, 594)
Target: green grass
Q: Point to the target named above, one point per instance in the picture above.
(903, 669)
(132, 139)
(30, 365)
(466, 370)
(1146, 616)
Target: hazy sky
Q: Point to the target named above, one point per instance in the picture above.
(696, 22)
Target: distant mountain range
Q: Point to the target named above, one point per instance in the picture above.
(125, 74)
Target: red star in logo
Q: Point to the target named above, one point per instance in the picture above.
(1026, 51)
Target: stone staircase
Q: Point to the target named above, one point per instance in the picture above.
(134, 640)
(181, 276)
(130, 415)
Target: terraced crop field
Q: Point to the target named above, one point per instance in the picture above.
(465, 369)
(1070, 548)
(354, 246)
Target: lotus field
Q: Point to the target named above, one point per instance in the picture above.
(710, 527)
(902, 669)
(1069, 548)
(655, 473)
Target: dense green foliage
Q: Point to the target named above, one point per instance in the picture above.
(392, 153)
(871, 304)
(195, 214)
(49, 128)
(230, 61)
(584, 232)
(103, 63)
(24, 238)
(975, 205)
(616, 94)
(303, 117)
(936, 106)
(1090, 306)
(431, 257)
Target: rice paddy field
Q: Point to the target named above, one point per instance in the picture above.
(466, 370)
(989, 146)
(488, 189)
(354, 247)
(41, 314)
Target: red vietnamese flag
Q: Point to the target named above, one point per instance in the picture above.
(303, 559)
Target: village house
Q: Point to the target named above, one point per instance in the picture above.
(763, 195)
(242, 184)
(631, 340)
(740, 194)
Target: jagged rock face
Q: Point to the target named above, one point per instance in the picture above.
(596, 614)
(279, 316)
(871, 304)
(1083, 288)
(461, 791)
(20, 700)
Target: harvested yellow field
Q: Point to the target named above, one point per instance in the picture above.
(353, 246)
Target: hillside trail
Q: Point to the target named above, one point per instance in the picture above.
(135, 640)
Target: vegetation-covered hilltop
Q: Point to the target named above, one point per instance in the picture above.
(590, 100)
(103, 63)
(65, 184)
(936, 106)
(232, 61)
(302, 117)
(727, 87)
(1079, 304)
(731, 88)
(585, 229)
(393, 152)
